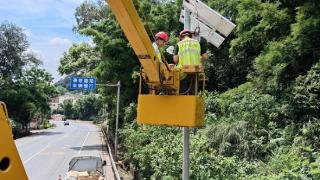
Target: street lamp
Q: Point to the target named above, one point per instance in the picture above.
(117, 115)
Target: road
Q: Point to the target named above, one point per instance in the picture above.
(46, 154)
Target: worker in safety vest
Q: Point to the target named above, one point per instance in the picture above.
(161, 39)
(188, 52)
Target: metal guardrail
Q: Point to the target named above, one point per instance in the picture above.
(114, 167)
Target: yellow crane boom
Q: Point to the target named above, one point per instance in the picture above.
(135, 32)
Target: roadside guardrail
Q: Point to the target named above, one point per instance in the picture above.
(114, 167)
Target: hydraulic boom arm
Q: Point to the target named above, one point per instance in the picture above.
(135, 32)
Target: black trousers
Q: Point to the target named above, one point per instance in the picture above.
(187, 85)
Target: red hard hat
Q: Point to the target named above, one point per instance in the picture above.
(162, 35)
(182, 33)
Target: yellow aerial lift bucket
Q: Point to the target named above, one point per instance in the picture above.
(174, 110)
(171, 110)
(10, 163)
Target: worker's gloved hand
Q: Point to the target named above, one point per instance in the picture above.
(170, 50)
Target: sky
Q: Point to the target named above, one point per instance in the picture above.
(48, 25)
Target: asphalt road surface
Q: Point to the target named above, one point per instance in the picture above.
(47, 153)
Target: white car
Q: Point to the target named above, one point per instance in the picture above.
(86, 168)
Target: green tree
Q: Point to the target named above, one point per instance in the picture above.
(307, 95)
(25, 87)
(284, 60)
(13, 54)
(80, 59)
(67, 106)
(39, 82)
(88, 107)
(61, 90)
(89, 14)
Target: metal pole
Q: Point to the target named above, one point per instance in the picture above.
(117, 122)
(186, 161)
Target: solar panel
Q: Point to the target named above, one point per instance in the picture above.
(209, 16)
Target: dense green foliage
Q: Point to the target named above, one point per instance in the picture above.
(80, 59)
(262, 99)
(14, 55)
(25, 87)
(87, 107)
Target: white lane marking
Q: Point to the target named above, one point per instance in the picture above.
(25, 162)
(83, 143)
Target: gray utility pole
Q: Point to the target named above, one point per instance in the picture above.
(186, 134)
(117, 116)
(117, 123)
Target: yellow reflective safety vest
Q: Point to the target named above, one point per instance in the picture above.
(189, 52)
(157, 50)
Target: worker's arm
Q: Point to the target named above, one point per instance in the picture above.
(204, 57)
(203, 53)
(176, 59)
(175, 56)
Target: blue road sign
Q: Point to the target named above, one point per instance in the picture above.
(82, 83)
